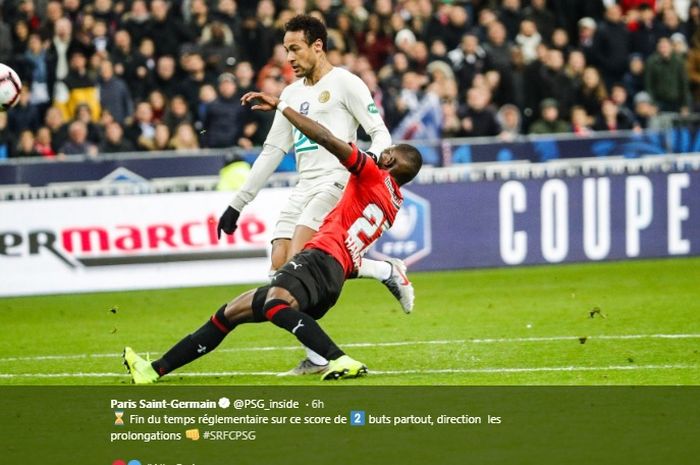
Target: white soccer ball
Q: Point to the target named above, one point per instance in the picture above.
(10, 87)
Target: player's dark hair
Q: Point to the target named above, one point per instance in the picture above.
(415, 162)
(312, 27)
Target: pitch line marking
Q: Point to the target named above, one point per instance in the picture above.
(377, 372)
(30, 358)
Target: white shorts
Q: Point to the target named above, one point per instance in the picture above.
(310, 202)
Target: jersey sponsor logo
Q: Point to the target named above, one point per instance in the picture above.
(304, 108)
(303, 143)
(324, 96)
(409, 238)
(372, 108)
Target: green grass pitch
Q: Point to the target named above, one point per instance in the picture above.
(634, 322)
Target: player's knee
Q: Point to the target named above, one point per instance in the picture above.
(239, 310)
(273, 306)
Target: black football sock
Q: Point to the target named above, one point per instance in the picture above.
(304, 327)
(194, 345)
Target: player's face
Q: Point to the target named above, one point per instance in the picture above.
(393, 161)
(302, 56)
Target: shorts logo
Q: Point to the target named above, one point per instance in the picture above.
(372, 108)
(409, 237)
(304, 108)
(296, 265)
(324, 96)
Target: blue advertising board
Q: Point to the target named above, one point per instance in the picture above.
(539, 221)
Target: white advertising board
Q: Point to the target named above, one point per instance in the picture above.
(132, 242)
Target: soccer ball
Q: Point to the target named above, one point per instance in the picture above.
(10, 87)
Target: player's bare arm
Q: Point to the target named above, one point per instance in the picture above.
(311, 129)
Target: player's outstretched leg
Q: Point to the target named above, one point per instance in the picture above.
(140, 369)
(313, 364)
(344, 367)
(392, 273)
(192, 346)
(309, 333)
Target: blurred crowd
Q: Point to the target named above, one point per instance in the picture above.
(106, 76)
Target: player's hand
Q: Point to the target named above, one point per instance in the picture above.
(260, 101)
(227, 222)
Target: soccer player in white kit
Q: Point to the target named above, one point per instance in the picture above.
(340, 101)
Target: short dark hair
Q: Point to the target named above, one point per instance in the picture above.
(414, 159)
(312, 27)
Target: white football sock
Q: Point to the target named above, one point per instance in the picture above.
(314, 357)
(376, 269)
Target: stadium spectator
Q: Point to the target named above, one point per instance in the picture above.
(468, 60)
(164, 78)
(497, 48)
(225, 116)
(159, 141)
(277, 67)
(24, 115)
(198, 17)
(226, 12)
(592, 91)
(177, 113)
(549, 122)
(543, 18)
(142, 125)
(634, 77)
(258, 35)
(553, 81)
(528, 39)
(645, 32)
(197, 76)
(129, 64)
(245, 77)
(611, 50)
(184, 138)
(82, 88)
(374, 43)
(167, 32)
(509, 120)
(644, 109)
(114, 140)
(83, 114)
(258, 123)
(158, 105)
(25, 145)
(619, 96)
(477, 117)
(511, 15)
(6, 48)
(218, 47)
(666, 79)
(114, 94)
(580, 121)
(77, 143)
(586, 33)
(34, 65)
(611, 119)
(42, 143)
(7, 141)
(56, 124)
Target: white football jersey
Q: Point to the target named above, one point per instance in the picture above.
(341, 102)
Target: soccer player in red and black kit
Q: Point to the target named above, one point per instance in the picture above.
(307, 286)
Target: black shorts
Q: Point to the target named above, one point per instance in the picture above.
(313, 277)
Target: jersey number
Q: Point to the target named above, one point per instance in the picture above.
(367, 224)
(303, 143)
